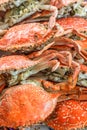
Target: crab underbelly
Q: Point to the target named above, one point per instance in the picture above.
(17, 13)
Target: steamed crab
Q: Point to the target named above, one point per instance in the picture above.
(27, 38)
(15, 11)
(53, 70)
(33, 94)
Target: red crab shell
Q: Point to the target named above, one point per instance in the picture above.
(17, 108)
(25, 37)
(15, 62)
(76, 23)
(69, 115)
(25, 105)
(30, 37)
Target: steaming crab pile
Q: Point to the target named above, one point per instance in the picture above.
(43, 64)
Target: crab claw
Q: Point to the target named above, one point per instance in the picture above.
(25, 105)
(68, 115)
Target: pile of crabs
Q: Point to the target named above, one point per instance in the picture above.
(43, 64)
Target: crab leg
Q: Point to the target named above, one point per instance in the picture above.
(38, 53)
(77, 69)
(67, 31)
(83, 94)
(63, 60)
(2, 84)
(54, 64)
(79, 34)
(70, 42)
(59, 55)
(2, 87)
(52, 20)
(65, 88)
(66, 54)
(83, 44)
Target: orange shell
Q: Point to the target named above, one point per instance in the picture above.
(69, 115)
(73, 23)
(25, 105)
(25, 37)
(15, 62)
